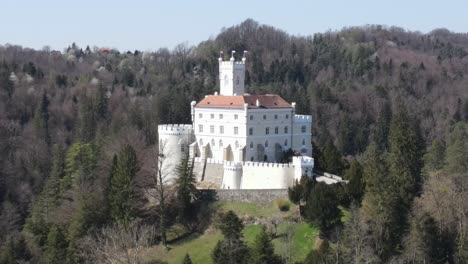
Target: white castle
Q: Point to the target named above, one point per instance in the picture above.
(239, 140)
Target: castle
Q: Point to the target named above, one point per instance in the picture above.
(238, 140)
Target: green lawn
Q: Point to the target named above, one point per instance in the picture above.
(297, 244)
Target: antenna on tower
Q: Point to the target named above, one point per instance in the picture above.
(220, 56)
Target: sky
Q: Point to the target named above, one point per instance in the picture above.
(149, 25)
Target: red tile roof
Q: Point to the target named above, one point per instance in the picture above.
(238, 101)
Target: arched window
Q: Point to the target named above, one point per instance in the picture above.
(213, 142)
(251, 144)
(182, 148)
(201, 142)
(226, 80)
(251, 158)
(303, 129)
(237, 144)
(266, 144)
(220, 143)
(303, 141)
(285, 129)
(285, 142)
(267, 131)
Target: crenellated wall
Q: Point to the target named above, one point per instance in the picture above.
(260, 175)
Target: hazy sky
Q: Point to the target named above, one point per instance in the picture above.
(149, 25)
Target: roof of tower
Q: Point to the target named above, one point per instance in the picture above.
(238, 101)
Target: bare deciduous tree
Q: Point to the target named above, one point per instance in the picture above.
(117, 245)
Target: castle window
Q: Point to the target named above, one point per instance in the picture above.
(287, 116)
(285, 129)
(212, 129)
(251, 117)
(267, 131)
(201, 142)
(276, 130)
(266, 144)
(251, 158)
(200, 116)
(213, 142)
(236, 117)
(182, 148)
(236, 144)
(285, 142)
(212, 116)
(251, 131)
(237, 80)
(251, 144)
(220, 143)
(236, 130)
(303, 129)
(276, 116)
(221, 129)
(303, 141)
(220, 116)
(200, 128)
(264, 117)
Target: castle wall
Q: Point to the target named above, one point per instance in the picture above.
(259, 175)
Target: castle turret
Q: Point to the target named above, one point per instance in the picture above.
(232, 75)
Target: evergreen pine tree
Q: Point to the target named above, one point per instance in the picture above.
(405, 157)
(121, 196)
(41, 119)
(355, 186)
(435, 156)
(232, 248)
(55, 252)
(262, 251)
(187, 259)
(331, 159)
(322, 209)
(457, 149)
(186, 191)
(102, 104)
(382, 127)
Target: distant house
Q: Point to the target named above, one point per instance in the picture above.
(105, 50)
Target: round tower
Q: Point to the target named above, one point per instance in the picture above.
(174, 141)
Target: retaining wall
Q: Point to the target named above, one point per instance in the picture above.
(264, 197)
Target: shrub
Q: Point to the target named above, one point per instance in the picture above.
(283, 205)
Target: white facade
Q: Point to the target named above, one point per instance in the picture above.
(246, 134)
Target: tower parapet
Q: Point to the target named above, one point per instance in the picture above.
(232, 75)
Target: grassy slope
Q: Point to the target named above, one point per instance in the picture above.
(200, 247)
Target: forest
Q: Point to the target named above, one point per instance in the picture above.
(79, 145)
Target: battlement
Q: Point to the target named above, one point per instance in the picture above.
(175, 129)
(229, 63)
(302, 118)
(266, 164)
(304, 161)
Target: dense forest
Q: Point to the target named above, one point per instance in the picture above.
(78, 143)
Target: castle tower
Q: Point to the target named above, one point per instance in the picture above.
(232, 75)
